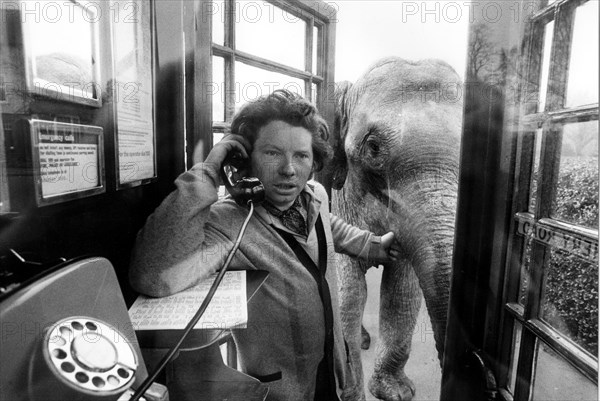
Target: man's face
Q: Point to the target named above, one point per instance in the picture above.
(282, 159)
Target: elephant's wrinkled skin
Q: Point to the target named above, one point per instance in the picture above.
(396, 158)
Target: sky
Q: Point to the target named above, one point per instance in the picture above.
(368, 30)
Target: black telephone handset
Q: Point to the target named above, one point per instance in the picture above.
(242, 189)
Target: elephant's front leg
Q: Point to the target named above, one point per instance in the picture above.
(400, 303)
(353, 296)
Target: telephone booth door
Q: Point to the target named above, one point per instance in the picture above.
(523, 317)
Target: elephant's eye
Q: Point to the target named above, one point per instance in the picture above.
(373, 146)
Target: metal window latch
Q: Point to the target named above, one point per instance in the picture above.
(477, 362)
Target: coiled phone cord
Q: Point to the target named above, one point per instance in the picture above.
(211, 292)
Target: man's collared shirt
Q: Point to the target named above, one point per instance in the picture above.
(310, 212)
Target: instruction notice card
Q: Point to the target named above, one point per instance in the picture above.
(228, 308)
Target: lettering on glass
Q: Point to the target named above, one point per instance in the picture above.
(581, 247)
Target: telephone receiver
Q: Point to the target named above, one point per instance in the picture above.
(242, 189)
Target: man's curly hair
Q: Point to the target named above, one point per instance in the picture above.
(291, 108)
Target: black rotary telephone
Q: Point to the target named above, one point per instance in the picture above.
(242, 189)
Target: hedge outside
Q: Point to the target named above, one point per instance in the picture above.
(571, 286)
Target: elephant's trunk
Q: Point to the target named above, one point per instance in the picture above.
(425, 231)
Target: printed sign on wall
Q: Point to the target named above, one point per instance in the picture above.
(68, 160)
(134, 91)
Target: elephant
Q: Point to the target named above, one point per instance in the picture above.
(396, 141)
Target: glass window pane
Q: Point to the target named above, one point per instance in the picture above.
(217, 10)
(556, 380)
(548, 32)
(217, 136)
(516, 348)
(536, 167)
(315, 52)
(217, 88)
(582, 85)
(221, 191)
(570, 299)
(577, 190)
(2, 87)
(270, 32)
(525, 269)
(69, 69)
(252, 82)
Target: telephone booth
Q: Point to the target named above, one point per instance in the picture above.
(104, 104)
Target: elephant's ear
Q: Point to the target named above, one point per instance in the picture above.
(339, 164)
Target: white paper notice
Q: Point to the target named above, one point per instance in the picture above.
(68, 167)
(228, 308)
(134, 91)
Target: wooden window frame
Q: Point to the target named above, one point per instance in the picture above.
(497, 160)
(551, 121)
(314, 13)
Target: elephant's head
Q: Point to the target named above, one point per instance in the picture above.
(397, 138)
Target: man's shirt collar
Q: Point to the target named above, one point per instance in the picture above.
(311, 205)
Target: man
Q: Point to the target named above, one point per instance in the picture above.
(293, 339)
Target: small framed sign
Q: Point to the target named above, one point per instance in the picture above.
(61, 50)
(68, 161)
